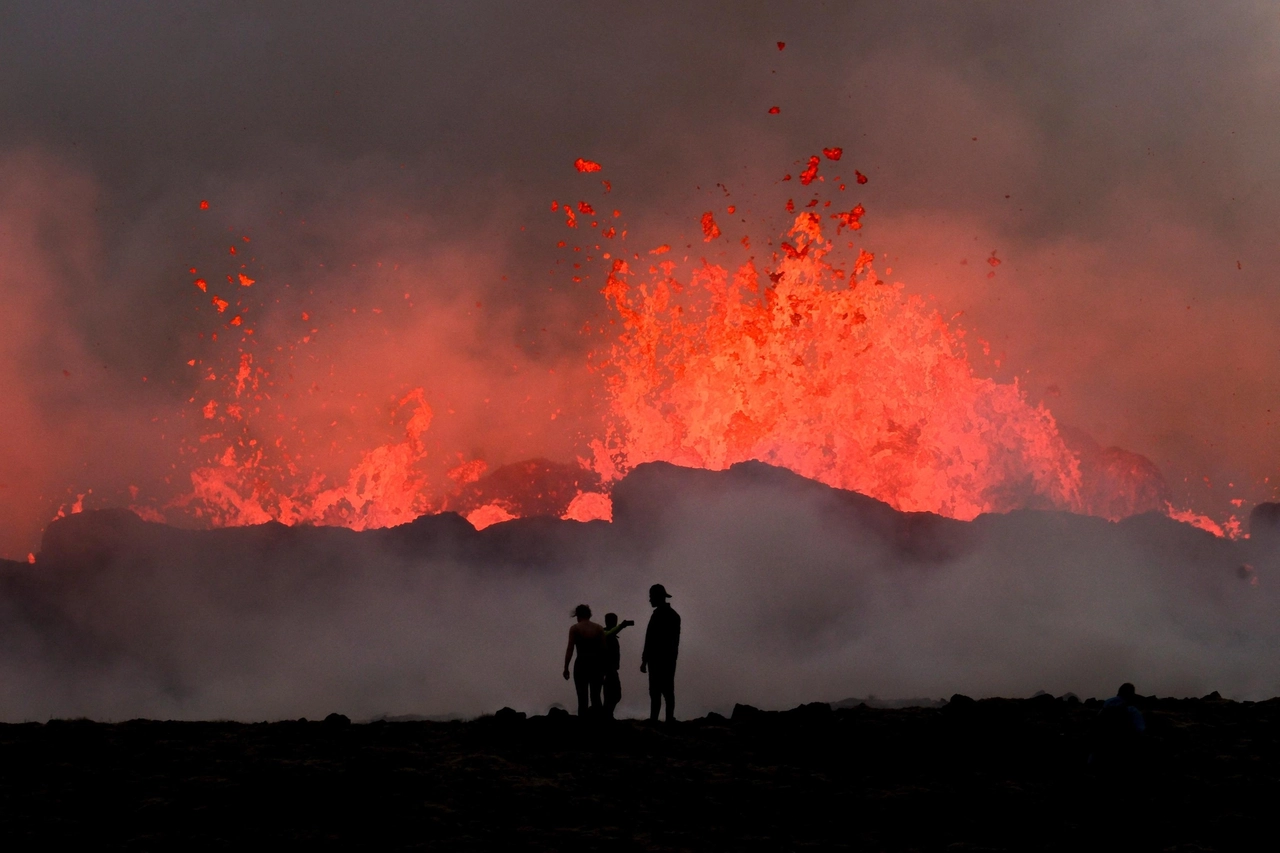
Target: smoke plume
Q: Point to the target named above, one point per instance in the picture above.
(789, 591)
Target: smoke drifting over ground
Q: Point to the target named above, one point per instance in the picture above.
(1116, 157)
(384, 174)
(789, 591)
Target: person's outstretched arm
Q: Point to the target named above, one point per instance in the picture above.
(616, 628)
(568, 655)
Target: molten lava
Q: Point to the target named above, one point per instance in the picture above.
(826, 370)
(250, 485)
(808, 360)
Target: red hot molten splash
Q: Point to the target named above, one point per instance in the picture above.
(812, 363)
(828, 371)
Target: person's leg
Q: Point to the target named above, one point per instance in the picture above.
(669, 691)
(612, 692)
(580, 684)
(655, 693)
(596, 684)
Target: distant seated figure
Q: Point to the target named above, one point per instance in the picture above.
(1118, 729)
(612, 662)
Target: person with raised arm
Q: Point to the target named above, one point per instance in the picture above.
(612, 662)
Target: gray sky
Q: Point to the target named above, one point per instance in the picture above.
(1123, 168)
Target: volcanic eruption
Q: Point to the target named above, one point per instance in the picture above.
(916, 350)
(884, 336)
(803, 357)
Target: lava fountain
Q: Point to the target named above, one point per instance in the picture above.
(806, 359)
(829, 371)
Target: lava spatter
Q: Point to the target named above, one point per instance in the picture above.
(806, 359)
(853, 384)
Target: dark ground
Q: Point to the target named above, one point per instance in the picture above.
(996, 774)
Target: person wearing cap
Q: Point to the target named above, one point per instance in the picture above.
(661, 647)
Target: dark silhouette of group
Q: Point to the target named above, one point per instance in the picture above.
(595, 672)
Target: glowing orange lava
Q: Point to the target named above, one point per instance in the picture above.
(807, 360)
(826, 370)
(250, 485)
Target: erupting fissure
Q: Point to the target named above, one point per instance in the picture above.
(806, 359)
(828, 371)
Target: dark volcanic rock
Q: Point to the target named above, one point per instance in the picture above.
(445, 534)
(1115, 482)
(1264, 526)
(1006, 775)
(95, 537)
(531, 487)
(1264, 517)
(654, 494)
(789, 586)
(508, 715)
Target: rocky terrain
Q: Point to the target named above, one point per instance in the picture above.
(788, 589)
(994, 774)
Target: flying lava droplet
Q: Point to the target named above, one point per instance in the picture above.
(773, 111)
(810, 172)
(832, 153)
(586, 165)
(709, 228)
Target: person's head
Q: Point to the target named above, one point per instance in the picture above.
(610, 620)
(658, 594)
(1126, 691)
(582, 611)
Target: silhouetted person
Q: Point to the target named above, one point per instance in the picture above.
(1118, 730)
(661, 646)
(612, 662)
(588, 638)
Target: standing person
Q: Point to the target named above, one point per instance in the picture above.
(612, 662)
(588, 638)
(661, 646)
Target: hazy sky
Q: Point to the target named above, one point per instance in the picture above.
(1119, 157)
